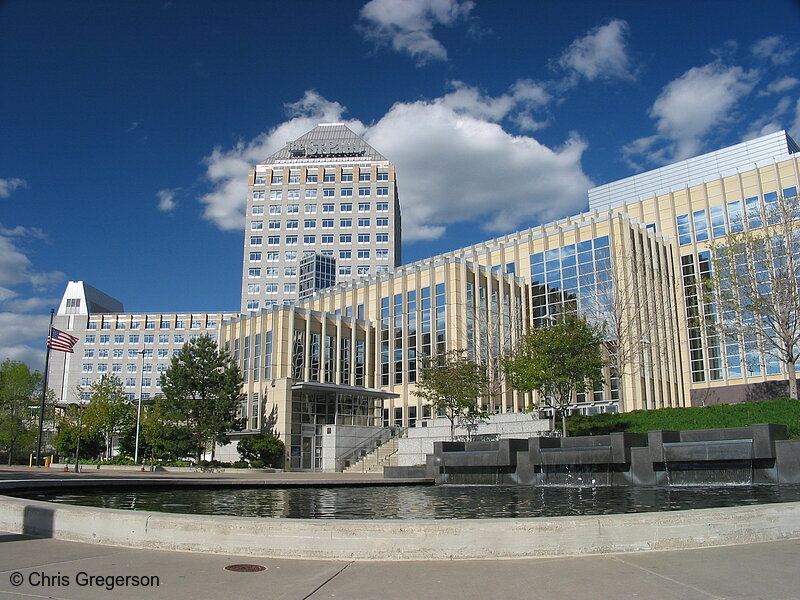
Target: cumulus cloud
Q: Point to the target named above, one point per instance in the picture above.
(600, 54)
(689, 108)
(7, 186)
(22, 338)
(455, 161)
(407, 25)
(22, 333)
(166, 200)
(774, 49)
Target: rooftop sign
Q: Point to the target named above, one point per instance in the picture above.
(312, 148)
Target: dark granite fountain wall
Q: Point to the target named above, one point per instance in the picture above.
(737, 455)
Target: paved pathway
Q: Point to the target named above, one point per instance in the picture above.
(755, 571)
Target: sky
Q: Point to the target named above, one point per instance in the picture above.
(128, 127)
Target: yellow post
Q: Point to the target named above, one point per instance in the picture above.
(30, 460)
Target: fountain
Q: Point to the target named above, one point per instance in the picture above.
(730, 456)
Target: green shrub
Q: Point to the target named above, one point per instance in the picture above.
(240, 464)
(257, 464)
(780, 410)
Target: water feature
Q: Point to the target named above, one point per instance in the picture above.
(423, 502)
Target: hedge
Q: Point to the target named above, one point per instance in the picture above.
(780, 410)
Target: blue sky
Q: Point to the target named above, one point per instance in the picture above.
(128, 127)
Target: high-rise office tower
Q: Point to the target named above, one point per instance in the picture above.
(329, 193)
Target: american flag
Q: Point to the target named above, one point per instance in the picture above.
(61, 340)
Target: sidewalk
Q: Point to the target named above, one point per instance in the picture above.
(755, 571)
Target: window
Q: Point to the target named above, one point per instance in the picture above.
(345, 270)
(149, 339)
(271, 288)
(363, 176)
(363, 254)
(88, 367)
(273, 256)
(382, 222)
(255, 272)
(291, 255)
(256, 225)
(309, 239)
(363, 222)
(363, 270)
(700, 225)
(253, 288)
(274, 209)
(256, 240)
(257, 210)
(273, 225)
(328, 208)
(345, 238)
(311, 177)
(294, 177)
(345, 222)
(102, 354)
(310, 209)
(89, 339)
(277, 177)
(289, 288)
(274, 240)
(258, 194)
(346, 192)
(118, 353)
(345, 254)
(163, 338)
(383, 176)
(255, 256)
(383, 254)
(260, 180)
(382, 191)
(106, 325)
(364, 191)
(310, 223)
(271, 272)
(347, 176)
(130, 382)
(292, 209)
(135, 324)
(92, 325)
(105, 339)
(327, 223)
(382, 206)
(684, 230)
(381, 237)
(363, 207)
(346, 207)
(88, 353)
(132, 368)
(116, 368)
(363, 238)
(290, 272)
(311, 194)
(102, 367)
(179, 338)
(293, 224)
(276, 195)
(327, 239)
(252, 305)
(328, 176)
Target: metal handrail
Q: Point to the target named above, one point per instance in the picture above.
(367, 446)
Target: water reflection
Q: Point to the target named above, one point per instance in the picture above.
(425, 502)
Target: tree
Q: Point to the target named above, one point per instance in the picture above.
(162, 435)
(71, 431)
(19, 390)
(755, 283)
(108, 409)
(453, 385)
(557, 361)
(262, 446)
(203, 386)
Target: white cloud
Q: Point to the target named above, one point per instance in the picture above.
(794, 128)
(770, 122)
(774, 49)
(7, 186)
(689, 108)
(22, 338)
(451, 156)
(15, 266)
(784, 84)
(600, 54)
(407, 25)
(166, 199)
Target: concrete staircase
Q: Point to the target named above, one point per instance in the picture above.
(383, 456)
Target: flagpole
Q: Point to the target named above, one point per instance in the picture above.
(44, 392)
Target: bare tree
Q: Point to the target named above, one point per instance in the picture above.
(755, 282)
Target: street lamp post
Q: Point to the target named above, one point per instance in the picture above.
(139, 410)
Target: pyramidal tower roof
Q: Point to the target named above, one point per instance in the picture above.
(327, 142)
